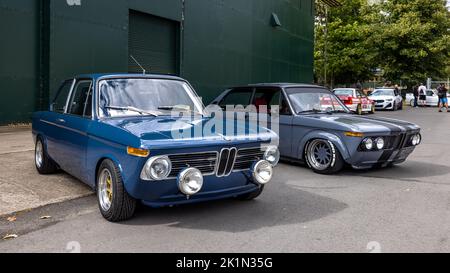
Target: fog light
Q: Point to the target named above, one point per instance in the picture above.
(262, 172)
(368, 144)
(272, 155)
(379, 142)
(190, 181)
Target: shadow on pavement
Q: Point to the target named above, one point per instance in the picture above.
(408, 170)
(283, 206)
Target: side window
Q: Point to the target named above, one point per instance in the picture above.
(267, 97)
(80, 98)
(239, 96)
(59, 103)
(284, 107)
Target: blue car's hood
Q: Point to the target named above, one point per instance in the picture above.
(363, 124)
(176, 131)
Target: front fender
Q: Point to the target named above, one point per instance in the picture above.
(336, 140)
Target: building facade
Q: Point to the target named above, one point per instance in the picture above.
(212, 43)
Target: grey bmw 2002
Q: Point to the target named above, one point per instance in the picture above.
(316, 128)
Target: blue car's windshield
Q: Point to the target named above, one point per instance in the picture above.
(131, 97)
(313, 100)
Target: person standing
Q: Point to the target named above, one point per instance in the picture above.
(443, 100)
(416, 96)
(422, 95)
(359, 85)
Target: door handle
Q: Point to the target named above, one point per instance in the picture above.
(61, 120)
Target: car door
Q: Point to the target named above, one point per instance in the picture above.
(54, 132)
(75, 123)
(285, 127)
(263, 100)
(432, 98)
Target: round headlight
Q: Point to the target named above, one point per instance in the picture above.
(156, 168)
(379, 142)
(272, 155)
(190, 181)
(419, 139)
(416, 139)
(262, 172)
(368, 143)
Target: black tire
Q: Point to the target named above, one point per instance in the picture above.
(335, 165)
(122, 206)
(251, 195)
(359, 109)
(45, 165)
(394, 107)
(401, 106)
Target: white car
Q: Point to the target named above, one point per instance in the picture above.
(387, 99)
(432, 98)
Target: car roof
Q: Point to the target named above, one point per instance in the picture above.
(99, 76)
(389, 89)
(280, 85)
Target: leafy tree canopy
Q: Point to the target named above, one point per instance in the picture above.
(408, 39)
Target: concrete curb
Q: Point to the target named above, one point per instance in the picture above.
(43, 204)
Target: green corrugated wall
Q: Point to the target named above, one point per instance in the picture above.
(222, 43)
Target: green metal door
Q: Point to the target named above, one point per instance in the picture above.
(153, 42)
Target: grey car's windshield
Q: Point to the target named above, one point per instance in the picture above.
(314, 100)
(383, 92)
(131, 97)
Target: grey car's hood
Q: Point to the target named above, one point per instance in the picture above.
(363, 124)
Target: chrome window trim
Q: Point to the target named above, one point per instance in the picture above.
(68, 96)
(76, 83)
(191, 93)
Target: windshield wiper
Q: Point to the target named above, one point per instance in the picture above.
(132, 109)
(180, 108)
(312, 111)
(340, 111)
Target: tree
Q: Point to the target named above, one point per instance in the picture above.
(341, 51)
(411, 38)
(408, 40)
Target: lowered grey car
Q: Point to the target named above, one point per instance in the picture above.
(316, 128)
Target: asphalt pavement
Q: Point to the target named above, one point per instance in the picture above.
(400, 209)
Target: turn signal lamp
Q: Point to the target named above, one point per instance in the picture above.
(354, 134)
(138, 152)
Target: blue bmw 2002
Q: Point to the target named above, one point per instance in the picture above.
(118, 134)
(317, 128)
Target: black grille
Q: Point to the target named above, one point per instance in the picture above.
(247, 157)
(226, 161)
(205, 162)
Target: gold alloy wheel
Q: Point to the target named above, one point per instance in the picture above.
(105, 194)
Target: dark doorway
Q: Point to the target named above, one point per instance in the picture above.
(153, 42)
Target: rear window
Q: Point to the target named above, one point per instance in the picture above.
(343, 92)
